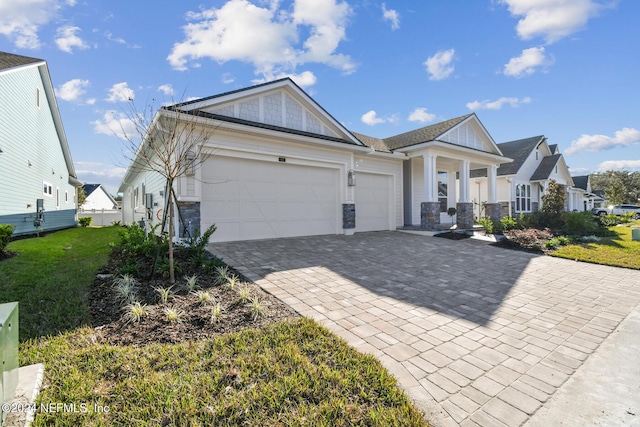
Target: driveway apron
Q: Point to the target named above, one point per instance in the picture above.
(475, 334)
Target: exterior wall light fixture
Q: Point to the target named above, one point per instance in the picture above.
(351, 178)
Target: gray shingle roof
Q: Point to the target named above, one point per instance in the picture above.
(90, 188)
(425, 134)
(10, 60)
(517, 150)
(581, 181)
(545, 167)
(370, 141)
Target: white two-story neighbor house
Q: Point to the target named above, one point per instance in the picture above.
(278, 164)
(522, 182)
(37, 177)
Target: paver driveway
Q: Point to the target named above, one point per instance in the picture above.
(477, 335)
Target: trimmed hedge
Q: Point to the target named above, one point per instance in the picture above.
(6, 231)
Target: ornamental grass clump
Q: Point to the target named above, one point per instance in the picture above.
(244, 292)
(204, 297)
(257, 308)
(173, 315)
(164, 294)
(126, 287)
(192, 282)
(216, 313)
(135, 311)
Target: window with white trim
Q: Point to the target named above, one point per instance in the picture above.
(38, 97)
(523, 198)
(57, 197)
(47, 189)
(66, 196)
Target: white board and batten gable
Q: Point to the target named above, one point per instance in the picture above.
(471, 134)
(279, 104)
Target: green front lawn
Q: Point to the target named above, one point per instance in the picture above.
(618, 250)
(289, 374)
(50, 276)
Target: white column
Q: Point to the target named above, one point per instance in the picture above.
(492, 174)
(570, 200)
(451, 189)
(430, 178)
(465, 182)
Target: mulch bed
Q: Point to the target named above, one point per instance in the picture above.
(113, 326)
(453, 236)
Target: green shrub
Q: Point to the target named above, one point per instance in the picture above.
(490, 226)
(609, 220)
(195, 246)
(136, 244)
(85, 221)
(580, 223)
(6, 231)
(508, 223)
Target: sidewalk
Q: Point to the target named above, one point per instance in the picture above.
(605, 391)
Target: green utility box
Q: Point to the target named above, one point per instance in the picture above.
(8, 352)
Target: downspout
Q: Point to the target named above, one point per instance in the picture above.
(510, 196)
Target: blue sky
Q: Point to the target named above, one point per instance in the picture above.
(566, 69)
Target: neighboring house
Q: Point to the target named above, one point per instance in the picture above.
(280, 165)
(97, 198)
(590, 199)
(523, 182)
(37, 177)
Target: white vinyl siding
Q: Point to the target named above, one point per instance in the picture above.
(32, 153)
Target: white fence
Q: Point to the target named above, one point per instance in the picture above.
(101, 217)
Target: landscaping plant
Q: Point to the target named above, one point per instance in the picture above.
(6, 231)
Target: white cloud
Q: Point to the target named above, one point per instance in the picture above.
(72, 90)
(99, 170)
(228, 78)
(91, 101)
(622, 138)
(120, 92)
(421, 115)
(115, 123)
(392, 16)
(527, 63)
(371, 118)
(439, 65)
(166, 89)
(304, 79)
(551, 19)
(66, 39)
(109, 176)
(110, 37)
(498, 103)
(579, 171)
(269, 38)
(619, 165)
(20, 20)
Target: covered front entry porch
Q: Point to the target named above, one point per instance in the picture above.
(438, 179)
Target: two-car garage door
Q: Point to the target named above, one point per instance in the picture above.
(252, 199)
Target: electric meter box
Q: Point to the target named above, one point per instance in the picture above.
(8, 352)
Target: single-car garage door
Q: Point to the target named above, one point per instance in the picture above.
(251, 199)
(373, 202)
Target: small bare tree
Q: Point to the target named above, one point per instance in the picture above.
(169, 142)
